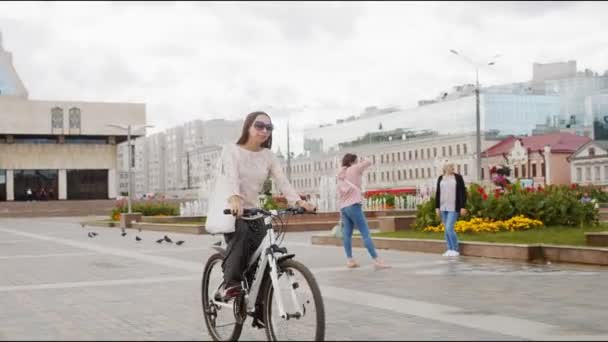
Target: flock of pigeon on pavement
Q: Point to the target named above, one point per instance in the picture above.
(138, 239)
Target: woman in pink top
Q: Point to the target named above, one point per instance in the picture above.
(349, 200)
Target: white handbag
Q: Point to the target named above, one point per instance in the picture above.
(217, 222)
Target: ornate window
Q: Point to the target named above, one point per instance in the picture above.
(57, 117)
(74, 117)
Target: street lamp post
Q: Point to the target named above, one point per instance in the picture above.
(288, 155)
(128, 128)
(477, 111)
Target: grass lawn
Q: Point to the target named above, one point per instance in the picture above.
(556, 235)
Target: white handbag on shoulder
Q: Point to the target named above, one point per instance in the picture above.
(217, 222)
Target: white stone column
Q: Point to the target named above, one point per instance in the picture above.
(547, 153)
(63, 184)
(112, 184)
(10, 185)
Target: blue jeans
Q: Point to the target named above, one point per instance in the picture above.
(351, 216)
(449, 219)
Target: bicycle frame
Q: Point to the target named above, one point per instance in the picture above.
(266, 254)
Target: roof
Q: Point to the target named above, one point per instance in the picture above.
(603, 144)
(558, 142)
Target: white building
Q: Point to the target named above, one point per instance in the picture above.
(58, 149)
(397, 163)
(174, 162)
(589, 164)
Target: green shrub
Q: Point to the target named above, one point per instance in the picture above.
(147, 208)
(425, 215)
(553, 205)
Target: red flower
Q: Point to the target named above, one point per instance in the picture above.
(496, 193)
(484, 196)
(573, 186)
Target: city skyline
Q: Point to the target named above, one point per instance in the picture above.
(321, 62)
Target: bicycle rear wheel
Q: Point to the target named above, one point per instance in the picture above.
(306, 322)
(221, 321)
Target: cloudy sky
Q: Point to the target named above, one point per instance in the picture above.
(312, 62)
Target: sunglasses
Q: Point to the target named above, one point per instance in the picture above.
(259, 125)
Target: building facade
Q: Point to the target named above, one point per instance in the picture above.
(589, 164)
(396, 163)
(58, 149)
(503, 114)
(174, 162)
(541, 158)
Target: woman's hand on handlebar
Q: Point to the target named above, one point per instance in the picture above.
(236, 206)
(308, 206)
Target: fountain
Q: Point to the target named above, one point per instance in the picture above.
(199, 206)
(328, 195)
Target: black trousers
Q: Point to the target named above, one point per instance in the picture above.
(247, 237)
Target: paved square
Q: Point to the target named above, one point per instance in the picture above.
(58, 284)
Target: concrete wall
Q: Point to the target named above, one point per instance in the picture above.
(560, 169)
(57, 156)
(20, 116)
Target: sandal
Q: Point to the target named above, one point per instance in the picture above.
(379, 265)
(352, 264)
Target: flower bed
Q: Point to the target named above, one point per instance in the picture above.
(147, 208)
(552, 205)
(481, 225)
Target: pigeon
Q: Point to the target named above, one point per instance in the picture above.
(179, 242)
(123, 233)
(92, 234)
(167, 239)
(137, 238)
(159, 240)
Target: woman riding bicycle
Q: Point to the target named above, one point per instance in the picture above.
(246, 166)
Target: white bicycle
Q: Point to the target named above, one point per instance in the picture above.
(290, 306)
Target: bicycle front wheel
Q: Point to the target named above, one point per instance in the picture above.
(220, 318)
(302, 302)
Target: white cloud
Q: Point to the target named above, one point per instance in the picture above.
(189, 60)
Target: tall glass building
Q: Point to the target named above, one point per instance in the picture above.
(573, 93)
(501, 114)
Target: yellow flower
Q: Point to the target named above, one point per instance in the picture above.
(478, 225)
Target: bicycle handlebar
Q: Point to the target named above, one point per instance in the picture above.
(255, 211)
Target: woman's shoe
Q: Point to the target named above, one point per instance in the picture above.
(379, 265)
(352, 264)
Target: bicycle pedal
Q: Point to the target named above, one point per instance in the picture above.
(257, 323)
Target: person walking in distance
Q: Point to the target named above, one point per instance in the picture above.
(351, 210)
(450, 202)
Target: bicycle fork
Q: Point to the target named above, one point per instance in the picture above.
(274, 272)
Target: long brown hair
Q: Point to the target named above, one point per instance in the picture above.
(349, 159)
(249, 120)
